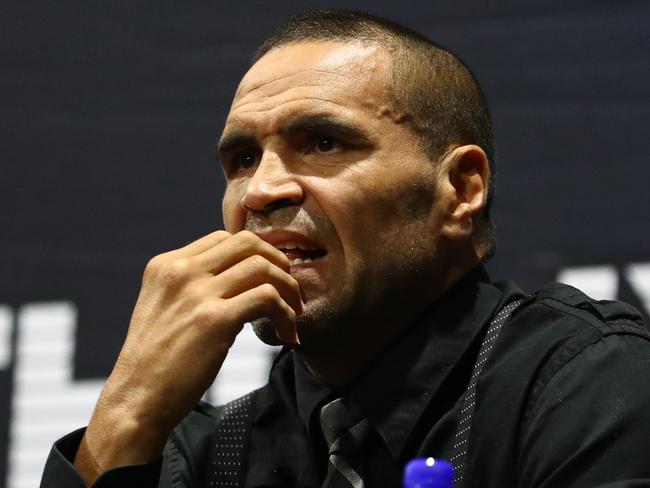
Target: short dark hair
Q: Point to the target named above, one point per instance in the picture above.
(444, 101)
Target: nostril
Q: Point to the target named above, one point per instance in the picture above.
(280, 203)
(268, 207)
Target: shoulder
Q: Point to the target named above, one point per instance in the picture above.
(604, 316)
(586, 408)
(559, 321)
(567, 376)
(557, 334)
(557, 324)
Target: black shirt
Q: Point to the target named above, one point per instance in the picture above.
(563, 401)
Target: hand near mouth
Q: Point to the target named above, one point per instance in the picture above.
(298, 248)
(192, 304)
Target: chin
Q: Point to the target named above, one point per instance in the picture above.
(314, 325)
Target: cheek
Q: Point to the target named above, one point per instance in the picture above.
(388, 212)
(398, 201)
(233, 215)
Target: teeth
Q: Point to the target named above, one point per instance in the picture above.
(291, 245)
(297, 261)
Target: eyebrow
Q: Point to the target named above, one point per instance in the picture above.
(326, 125)
(305, 124)
(233, 141)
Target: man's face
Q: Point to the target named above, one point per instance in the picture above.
(319, 164)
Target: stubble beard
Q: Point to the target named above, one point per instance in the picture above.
(316, 327)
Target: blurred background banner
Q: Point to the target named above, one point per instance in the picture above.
(110, 112)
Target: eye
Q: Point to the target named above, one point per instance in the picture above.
(326, 144)
(245, 159)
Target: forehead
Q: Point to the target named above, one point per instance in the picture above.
(327, 75)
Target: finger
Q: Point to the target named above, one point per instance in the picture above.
(252, 272)
(264, 301)
(229, 252)
(200, 245)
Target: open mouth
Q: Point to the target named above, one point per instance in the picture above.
(299, 248)
(300, 255)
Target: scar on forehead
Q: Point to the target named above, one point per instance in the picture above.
(395, 114)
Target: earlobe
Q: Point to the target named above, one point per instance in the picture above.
(466, 174)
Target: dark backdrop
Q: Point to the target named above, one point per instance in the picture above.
(110, 111)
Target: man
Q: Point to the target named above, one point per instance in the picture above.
(359, 165)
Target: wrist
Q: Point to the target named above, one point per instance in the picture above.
(115, 439)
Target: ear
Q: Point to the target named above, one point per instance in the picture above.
(464, 185)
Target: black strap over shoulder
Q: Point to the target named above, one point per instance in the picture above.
(231, 444)
(468, 399)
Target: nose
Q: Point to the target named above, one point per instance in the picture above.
(271, 186)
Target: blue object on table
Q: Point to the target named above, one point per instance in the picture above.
(428, 473)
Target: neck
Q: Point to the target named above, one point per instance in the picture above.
(338, 365)
(338, 362)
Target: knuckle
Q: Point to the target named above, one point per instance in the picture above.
(154, 265)
(217, 323)
(176, 272)
(247, 234)
(289, 312)
(207, 312)
(269, 293)
(248, 238)
(219, 236)
(293, 283)
(258, 263)
(194, 293)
